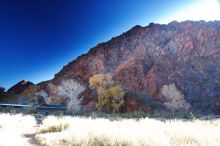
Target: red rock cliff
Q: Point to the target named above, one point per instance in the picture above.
(145, 58)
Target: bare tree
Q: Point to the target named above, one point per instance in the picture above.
(54, 97)
(174, 98)
(43, 94)
(72, 90)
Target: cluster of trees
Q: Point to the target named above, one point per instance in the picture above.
(110, 96)
(66, 93)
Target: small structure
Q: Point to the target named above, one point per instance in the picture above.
(37, 106)
(51, 106)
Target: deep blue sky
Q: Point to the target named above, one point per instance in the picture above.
(38, 37)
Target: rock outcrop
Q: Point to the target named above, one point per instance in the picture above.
(19, 87)
(145, 58)
(2, 92)
(14, 94)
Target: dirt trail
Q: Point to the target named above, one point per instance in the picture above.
(31, 137)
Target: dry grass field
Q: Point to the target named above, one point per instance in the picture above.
(71, 131)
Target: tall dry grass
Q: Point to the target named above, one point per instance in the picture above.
(70, 131)
(13, 128)
(149, 132)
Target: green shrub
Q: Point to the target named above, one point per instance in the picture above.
(149, 100)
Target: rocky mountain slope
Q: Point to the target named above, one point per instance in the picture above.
(14, 94)
(144, 61)
(145, 58)
(19, 87)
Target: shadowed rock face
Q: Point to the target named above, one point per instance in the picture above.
(19, 87)
(14, 94)
(145, 58)
(2, 92)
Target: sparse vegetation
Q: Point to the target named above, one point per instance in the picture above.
(52, 125)
(51, 96)
(31, 95)
(54, 97)
(30, 91)
(43, 94)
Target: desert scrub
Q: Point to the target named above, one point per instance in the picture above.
(54, 128)
(53, 124)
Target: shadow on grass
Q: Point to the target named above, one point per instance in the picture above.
(159, 115)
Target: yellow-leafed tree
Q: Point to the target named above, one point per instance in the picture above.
(110, 98)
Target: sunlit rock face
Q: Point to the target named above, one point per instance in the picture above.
(145, 58)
